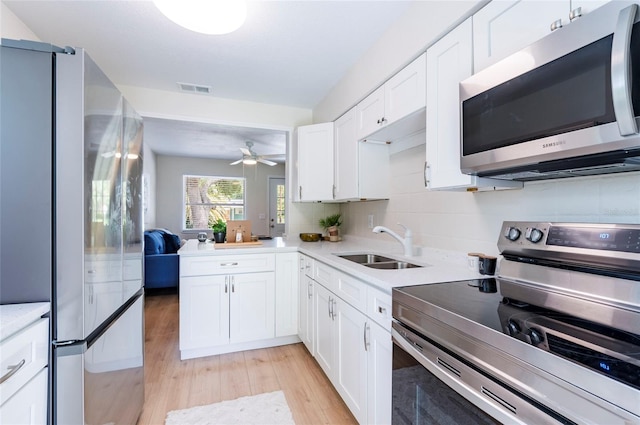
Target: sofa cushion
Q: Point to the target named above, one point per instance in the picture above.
(171, 242)
(153, 243)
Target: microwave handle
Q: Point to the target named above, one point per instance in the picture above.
(621, 72)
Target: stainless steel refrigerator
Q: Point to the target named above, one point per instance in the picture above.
(71, 225)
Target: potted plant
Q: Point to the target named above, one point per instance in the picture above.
(219, 228)
(331, 224)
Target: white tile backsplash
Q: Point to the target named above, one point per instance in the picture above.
(467, 222)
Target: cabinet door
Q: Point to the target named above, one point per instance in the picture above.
(325, 329)
(29, 404)
(346, 156)
(370, 113)
(449, 61)
(306, 316)
(405, 92)
(315, 162)
(204, 311)
(587, 6)
(504, 27)
(351, 355)
(252, 307)
(379, 363)
(286, 294)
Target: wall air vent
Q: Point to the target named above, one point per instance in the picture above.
(195, 88)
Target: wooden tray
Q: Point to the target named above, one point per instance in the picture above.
(236, 245)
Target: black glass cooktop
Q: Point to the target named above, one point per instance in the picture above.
(476, 300)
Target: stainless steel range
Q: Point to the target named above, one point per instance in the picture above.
(554, 338)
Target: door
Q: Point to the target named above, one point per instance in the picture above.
(204, 311)
(252, 307)
(277, 202)
(504, 27)
(306, 318)
(325, 329)
(449, 61)
(379, 363)
(351, 352)
(101, 380)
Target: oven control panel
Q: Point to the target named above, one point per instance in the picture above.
(544, 236)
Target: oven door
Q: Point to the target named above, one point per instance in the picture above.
(422, 391)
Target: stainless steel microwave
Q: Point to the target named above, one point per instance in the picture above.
(567, 105)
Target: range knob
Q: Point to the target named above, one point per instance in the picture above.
(536, 337)
(514, 328)
(533, 235)
(512, 233)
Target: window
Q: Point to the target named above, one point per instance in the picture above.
(208, 198)
(280, 203)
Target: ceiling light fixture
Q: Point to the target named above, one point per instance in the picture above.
(205, 16)
(249, 161)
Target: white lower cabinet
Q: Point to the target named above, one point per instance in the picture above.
(353, 350)
(229, 303)
(24, 373)
(306, 319)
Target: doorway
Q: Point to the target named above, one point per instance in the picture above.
(277, 202)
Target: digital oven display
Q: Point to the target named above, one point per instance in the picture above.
(607, 239)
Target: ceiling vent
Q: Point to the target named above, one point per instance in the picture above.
(195, 88)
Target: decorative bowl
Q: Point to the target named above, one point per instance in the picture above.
(310, 237)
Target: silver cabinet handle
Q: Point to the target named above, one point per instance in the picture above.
(329, 307)
(426, 180)
(226, 284)
(557, 24)
(310, 290)
(12, 370)
(333, 309)
(621, 72)
(575, 13)
(228, 264)
(364, 337)
(300, 191)
(382, 310)
(233, 284)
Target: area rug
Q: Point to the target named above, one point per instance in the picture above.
(266, 409)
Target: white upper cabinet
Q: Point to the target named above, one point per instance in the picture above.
(449, 61)
(315, 162)
(506, 26)
(398, 98)
(361, 168)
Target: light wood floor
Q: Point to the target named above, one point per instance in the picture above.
(171, 383)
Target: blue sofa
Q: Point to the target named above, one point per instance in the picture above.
(161, 263)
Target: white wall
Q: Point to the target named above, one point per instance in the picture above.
(422, 24)
(12, 27)
(169, 195)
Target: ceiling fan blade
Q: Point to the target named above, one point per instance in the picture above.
(266, 161)
(273, 155)
(246, 151)
(236, 162)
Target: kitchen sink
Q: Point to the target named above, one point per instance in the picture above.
(393, 265)
(365, 258)
(376, 261)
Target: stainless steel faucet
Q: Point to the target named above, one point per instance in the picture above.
(407, 241)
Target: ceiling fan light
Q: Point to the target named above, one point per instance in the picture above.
(205, 16)
(249, 161)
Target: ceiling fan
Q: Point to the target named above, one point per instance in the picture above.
(249, 157)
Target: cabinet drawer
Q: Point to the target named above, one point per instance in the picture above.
(379, 307)
(224, 264)
(28, 351)
(351, 290)
(307, 265)
(325, 275)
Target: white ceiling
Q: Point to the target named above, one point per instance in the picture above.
(287, 53)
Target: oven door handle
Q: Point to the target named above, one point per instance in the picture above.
(621, 72)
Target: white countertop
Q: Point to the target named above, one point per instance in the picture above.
(14, 317)
(439, 265)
